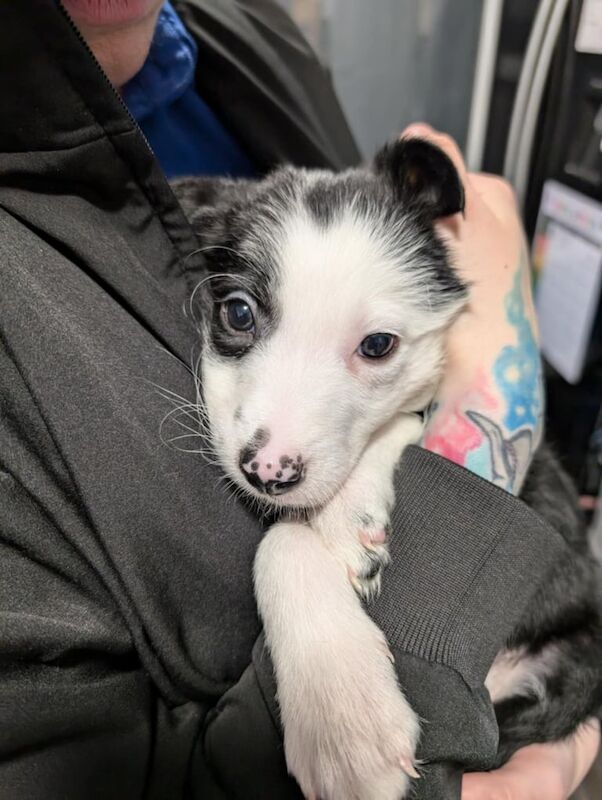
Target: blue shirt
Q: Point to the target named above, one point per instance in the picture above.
(184, 133)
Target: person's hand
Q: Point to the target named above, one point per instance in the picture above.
(487, 414)
(540, 771)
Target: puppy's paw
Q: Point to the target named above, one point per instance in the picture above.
(366, 564)
(349, 732)
(354, 528)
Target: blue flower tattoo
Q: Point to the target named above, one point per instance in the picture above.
(517, 369)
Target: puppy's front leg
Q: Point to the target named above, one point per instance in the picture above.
(349, 733)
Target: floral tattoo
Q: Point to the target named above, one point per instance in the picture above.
(494, 429)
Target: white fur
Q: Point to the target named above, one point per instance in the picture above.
(347, 726)
(516, 673)
(349, 732)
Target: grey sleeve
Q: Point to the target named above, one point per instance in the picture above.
(466, 559)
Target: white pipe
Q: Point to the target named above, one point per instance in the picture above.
(523, 89)
(540, 76)
(482, 87)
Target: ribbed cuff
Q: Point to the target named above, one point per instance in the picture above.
(466, 559)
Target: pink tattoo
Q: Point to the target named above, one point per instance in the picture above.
(451, 433)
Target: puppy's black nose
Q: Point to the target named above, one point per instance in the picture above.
(273, 486)
(282, 487)
(272, 475)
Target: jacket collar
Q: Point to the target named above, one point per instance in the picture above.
(53, 91)
(69, 134)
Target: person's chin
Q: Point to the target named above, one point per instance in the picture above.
(108, 13)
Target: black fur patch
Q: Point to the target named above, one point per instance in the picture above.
(377, 201)
(260, 438)
(422, 176)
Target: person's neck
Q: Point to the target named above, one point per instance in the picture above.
(121, 50)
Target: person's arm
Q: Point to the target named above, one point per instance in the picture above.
(487, 415)
(466, 559)
(465, 554)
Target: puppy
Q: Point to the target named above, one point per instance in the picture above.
(325, 307)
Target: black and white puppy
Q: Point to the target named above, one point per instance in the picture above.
(325, 307)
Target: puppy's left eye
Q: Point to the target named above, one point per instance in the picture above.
(377, 345)
(238, 315)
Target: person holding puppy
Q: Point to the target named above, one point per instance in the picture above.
(129, 658)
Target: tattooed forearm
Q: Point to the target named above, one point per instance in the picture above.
(509, 455)
(494, 427)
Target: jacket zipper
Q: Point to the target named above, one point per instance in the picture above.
(134, 122)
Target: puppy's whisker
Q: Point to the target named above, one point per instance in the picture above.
(174, 416)
(193, 435)
(177, 359)
(168, 394)
(192, 418)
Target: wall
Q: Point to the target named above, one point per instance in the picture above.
(394, 61)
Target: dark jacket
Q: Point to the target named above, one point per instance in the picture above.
(129, 654)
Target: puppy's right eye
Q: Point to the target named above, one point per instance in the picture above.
(238, 315)
(377, 345)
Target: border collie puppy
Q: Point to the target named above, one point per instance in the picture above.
(325, 308)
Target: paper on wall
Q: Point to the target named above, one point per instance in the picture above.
(589, 32)
(567, 298)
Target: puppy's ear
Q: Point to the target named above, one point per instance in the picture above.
(421, 175)
(207, 201)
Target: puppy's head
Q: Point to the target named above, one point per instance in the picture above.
(324, 310)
